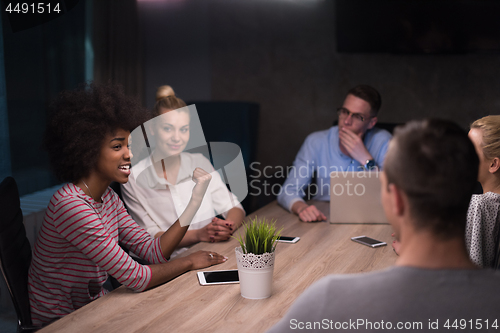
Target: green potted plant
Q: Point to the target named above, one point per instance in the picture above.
(255, 257)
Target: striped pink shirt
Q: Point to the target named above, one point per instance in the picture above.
(77, 247)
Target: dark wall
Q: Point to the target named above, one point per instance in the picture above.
(176, 48)
(39, 63)
(283, 55)
(280, 54)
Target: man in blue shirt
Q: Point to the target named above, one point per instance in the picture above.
(354, 145)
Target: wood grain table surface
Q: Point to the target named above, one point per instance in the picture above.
(183, 305)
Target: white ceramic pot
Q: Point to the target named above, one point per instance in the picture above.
(255, 273)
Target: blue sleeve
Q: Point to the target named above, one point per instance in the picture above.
(380, 146)
(380, 158)
(299, 177)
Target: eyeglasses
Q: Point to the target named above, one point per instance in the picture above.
(357, 116)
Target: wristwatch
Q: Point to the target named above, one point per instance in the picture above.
(369, 164)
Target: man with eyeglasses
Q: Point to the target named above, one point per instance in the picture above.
(353, 145)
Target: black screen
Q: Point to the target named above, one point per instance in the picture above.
(285, 238)
(368, 240)
(221, 276)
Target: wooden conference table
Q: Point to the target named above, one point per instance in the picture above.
(183, 305)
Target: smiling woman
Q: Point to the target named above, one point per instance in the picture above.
(114, 161)
(77, 248)
(156, 192)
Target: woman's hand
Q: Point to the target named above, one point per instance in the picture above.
(202, 259)
(217, 231)
(202, 180)
(161, 273)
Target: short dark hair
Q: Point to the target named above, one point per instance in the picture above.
(78, 122)
(368, 94)
(434, 162)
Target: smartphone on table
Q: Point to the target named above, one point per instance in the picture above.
(208, 278)
(368, 241)
(286, 239)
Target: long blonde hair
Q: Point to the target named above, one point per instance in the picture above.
(490, 127)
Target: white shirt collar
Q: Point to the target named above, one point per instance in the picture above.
(148, 177)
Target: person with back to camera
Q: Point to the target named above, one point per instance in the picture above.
(353, 145)
(171, 131)
(483, 218)
(87, 138)
(429, 175)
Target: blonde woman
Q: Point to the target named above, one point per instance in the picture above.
(155, 203)
(483, 218)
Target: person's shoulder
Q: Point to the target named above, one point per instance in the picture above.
(400, 276)
(485, 201)
(473, 279)
(323, 133)
(196, 160)
(491, 197)
(391, 288)
(380, 134)
(67, 201)
(348, 282)
(110, 196)
(491, 274)
(484, 281)
(323, 136)
(139, 167)
(67, 193)
(340, 289)
(194, 157)
(144, 163)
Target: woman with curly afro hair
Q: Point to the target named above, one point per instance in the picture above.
(87, 138)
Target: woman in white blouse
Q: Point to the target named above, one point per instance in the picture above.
(483, 218)
(155, 203)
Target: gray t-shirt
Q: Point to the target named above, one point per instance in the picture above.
(399, 299)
